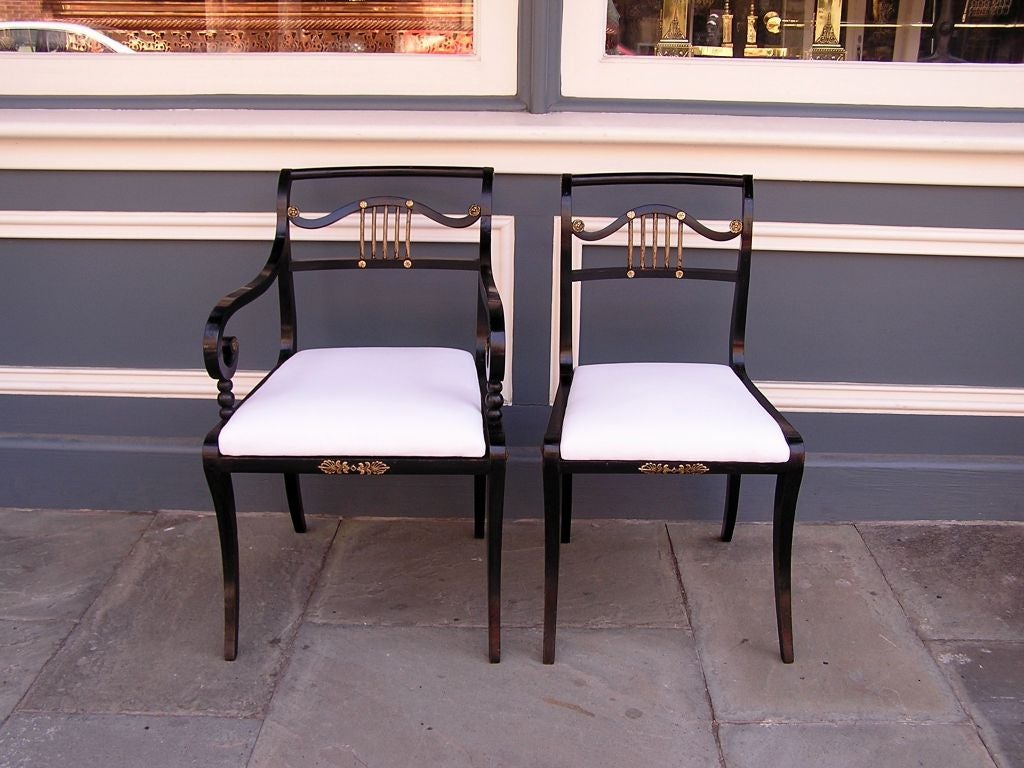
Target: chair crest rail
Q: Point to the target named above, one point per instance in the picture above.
(653, 226)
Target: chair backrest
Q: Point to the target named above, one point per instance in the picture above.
(381, 228)
(657, 239)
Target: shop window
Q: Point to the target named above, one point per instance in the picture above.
(357, 47)
(981, 31)
(239, 26)
(904, 53)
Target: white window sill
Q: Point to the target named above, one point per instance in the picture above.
(780, 148)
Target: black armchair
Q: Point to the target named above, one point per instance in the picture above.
(420, 409)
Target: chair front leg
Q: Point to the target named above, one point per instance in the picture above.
(732, 502)
(552, 542)
(224, 504)
(495, 511)
(787, 488)
(294, 493)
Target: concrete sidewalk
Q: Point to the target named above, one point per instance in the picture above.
(363, 644)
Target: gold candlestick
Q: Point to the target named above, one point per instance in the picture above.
(675, 19)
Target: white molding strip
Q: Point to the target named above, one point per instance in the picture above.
(834, 238)
(802, 237)
(794, 237)
(918, 400)
(238, 226)
(820, 397)
(781, 148)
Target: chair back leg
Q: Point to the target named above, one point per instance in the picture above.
(566, 508)
(223, 495)
(479, 504)
(294, 493)
(732, 502)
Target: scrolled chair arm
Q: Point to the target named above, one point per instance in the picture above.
(220, 352)
(491, 347)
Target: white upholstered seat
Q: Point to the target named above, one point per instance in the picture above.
(363, 401)
(671, 411)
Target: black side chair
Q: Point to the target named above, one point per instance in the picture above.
(418, 410)
(664, 418)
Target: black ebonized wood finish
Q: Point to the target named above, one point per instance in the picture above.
(558, 472)
(221, 351)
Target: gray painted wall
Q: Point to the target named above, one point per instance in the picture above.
(814, 317)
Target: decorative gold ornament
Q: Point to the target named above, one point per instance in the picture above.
(474, 210)
(293, 212)
(335, 467)
(578, 225)
(362, 204)
(681, 215)
(409, 204)
(630, 273)
(679, 273)
(773, 22)
(630, 215)
(735, 226)
(361, 263)
(407, 263)
(682, 469)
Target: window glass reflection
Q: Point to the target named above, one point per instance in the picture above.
(237, 26)
(987, 31)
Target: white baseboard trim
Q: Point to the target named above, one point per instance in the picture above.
(790, 396)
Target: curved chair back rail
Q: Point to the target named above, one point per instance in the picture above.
(706, 419)
(421, 410)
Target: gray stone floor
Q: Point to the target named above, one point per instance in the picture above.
(363, 645)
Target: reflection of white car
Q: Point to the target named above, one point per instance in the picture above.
(55, 36)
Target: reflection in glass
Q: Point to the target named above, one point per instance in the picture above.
(249, 26)
(987, 31)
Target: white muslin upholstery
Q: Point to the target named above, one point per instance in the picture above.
(363, 401)
(672, 411)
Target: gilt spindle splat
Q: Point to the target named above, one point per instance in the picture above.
(390, 233)
(664, 246)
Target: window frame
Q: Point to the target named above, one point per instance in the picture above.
(587, 72)
(491, 71)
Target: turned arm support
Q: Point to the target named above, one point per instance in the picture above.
(220, 352)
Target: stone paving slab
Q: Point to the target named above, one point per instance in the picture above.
(852, 745)
(956, 581)
(53, 563)
(25, 646)
(152, 642)
(856, 655)
(387, 697)
(125, 741)
(432, 573)
(989, 676)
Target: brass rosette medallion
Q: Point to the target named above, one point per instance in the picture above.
(474, 210)
(735, 226)
(293, 212)
(651, 468)
(578, 225)
(335, 467)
